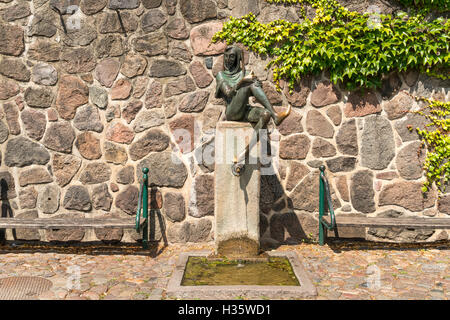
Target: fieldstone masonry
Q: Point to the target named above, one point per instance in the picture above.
(81, 113)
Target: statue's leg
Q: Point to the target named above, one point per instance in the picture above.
(237, 109)
(262, 118)
(260, 95)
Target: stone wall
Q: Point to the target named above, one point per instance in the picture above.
(82, 112)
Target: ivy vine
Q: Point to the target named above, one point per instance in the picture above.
(428, 5)
(436, 138)
(437, 5)
(356, 49)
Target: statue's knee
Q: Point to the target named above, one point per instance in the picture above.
(256, 84)
(265, 116)
(246, 91)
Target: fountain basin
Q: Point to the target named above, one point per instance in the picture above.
(207, 284)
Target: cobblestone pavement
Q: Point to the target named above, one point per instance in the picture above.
(339, 271)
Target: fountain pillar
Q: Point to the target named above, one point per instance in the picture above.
(236, 196)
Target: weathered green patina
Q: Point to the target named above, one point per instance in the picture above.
(324, 191)
(143, 207)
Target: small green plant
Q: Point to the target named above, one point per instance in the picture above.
(436, 138)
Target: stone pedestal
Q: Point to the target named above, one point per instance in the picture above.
(236, 197)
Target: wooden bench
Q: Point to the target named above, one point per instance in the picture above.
(55, 223)
(68, 223)
(331, 222)
(422, 223)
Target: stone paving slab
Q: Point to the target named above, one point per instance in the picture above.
(345, 271)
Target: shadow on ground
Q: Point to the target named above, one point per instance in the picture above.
(89, 248)
(359, 244)
(157, 232)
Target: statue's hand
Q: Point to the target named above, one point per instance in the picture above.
(248, 80)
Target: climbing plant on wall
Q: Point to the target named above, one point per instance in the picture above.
(436, 138)
(356, 49)
(438, 5)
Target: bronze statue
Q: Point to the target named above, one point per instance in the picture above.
(236, 86)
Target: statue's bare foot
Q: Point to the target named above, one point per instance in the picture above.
(281, 116)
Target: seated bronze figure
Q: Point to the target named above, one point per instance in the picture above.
(236, 86)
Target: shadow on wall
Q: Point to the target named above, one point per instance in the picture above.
(6, 208)
(276, 209)
(157, 227)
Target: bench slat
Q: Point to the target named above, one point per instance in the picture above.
(423, 223)
(55, 223)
